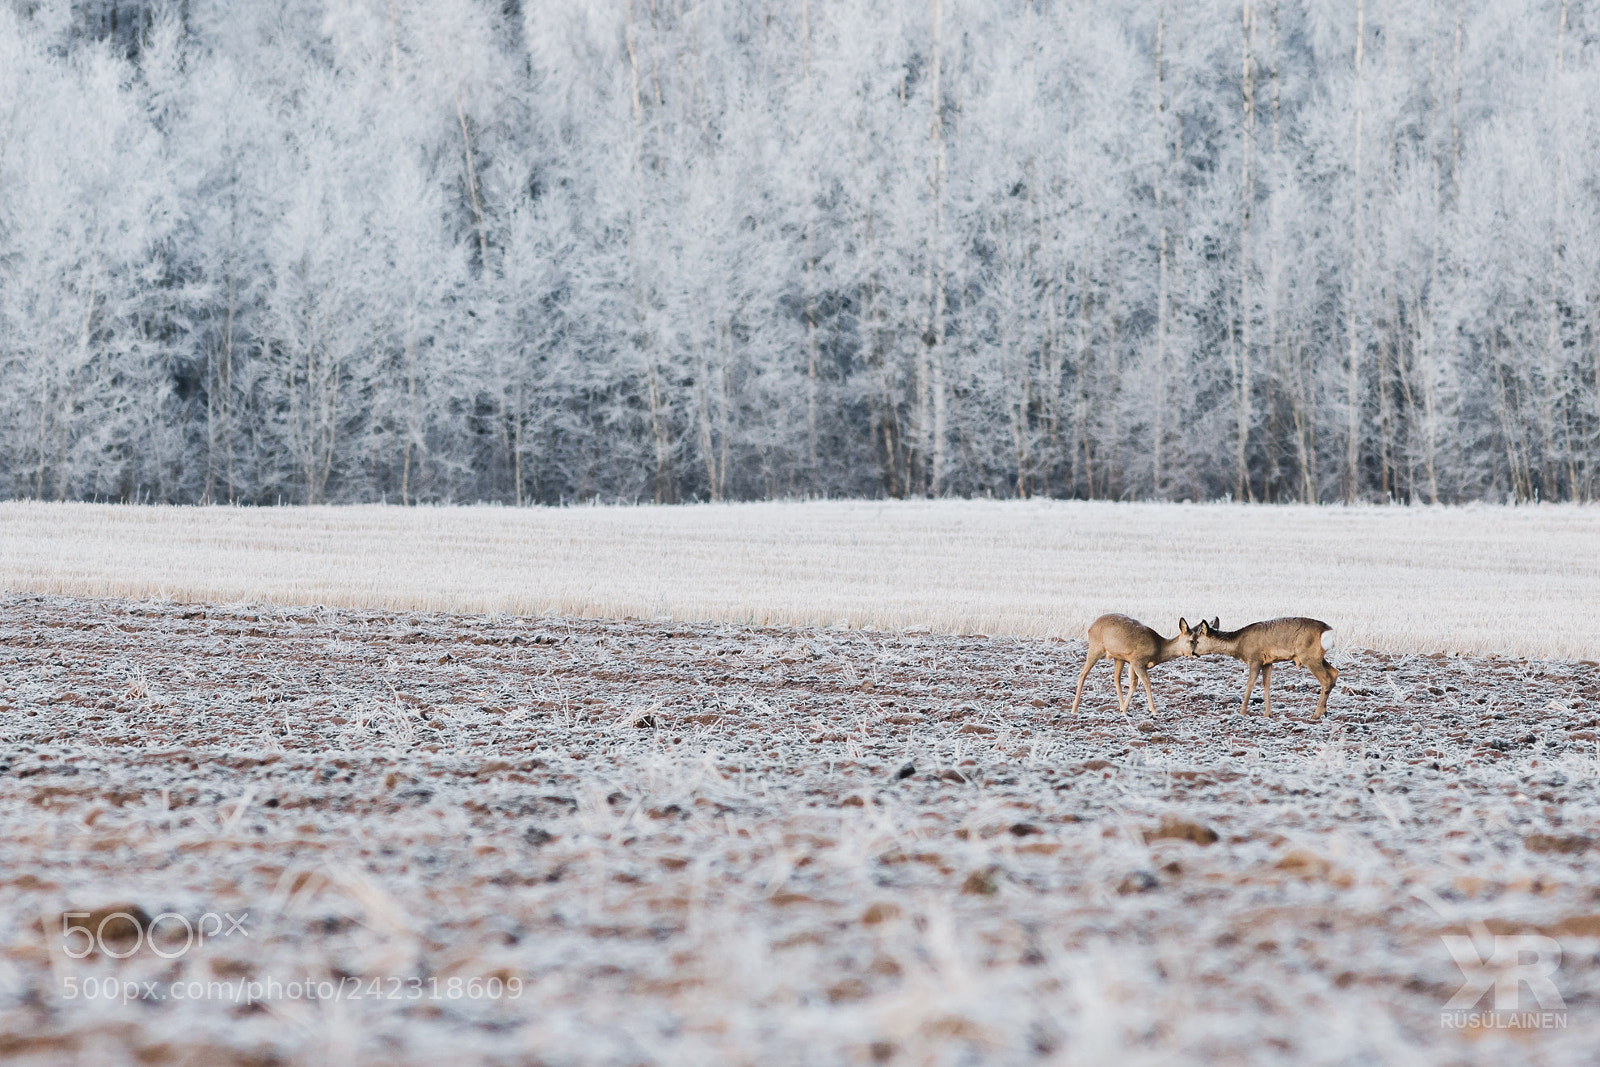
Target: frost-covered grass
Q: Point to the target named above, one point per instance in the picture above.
(1524, 580)
(699, 844)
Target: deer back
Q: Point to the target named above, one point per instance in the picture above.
(1279, 638)
(1123, 637)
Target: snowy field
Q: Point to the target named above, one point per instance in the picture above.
(788, 784)
(511, 839)
(1524, 581)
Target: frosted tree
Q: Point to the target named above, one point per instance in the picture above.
(346, 250)
(82, 216)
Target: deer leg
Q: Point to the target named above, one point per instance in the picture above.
(1122, 705)
(1327, 674)
(1089, 661)
(1144, 676)
(1266, 690)
(1249, 687)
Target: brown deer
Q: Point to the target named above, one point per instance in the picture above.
(1130, 641)
(1261, 644)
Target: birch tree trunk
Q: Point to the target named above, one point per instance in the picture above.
(1158, 474)
(933, 353)
(1357, 282)
(1553, 392)
(644, 341)
(1247, 29)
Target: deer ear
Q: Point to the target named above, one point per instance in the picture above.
(1183, 627)
(1216, 622)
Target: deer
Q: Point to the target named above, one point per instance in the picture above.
(1261, 644)
(1129, 641)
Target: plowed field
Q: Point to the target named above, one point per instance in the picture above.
(364, 836)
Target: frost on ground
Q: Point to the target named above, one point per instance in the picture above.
(701, 843)
(1522, 581)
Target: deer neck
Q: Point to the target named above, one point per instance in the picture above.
(1170, 648)
(1226, 644)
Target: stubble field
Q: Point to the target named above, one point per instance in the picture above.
(694, 843)
(1478, 579)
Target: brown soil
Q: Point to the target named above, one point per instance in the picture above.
(701, 843)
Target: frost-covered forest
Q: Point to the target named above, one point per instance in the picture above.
(460, 250)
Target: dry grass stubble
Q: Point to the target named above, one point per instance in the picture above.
(697, 843)
(1524, 581)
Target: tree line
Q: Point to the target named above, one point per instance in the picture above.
(655, 250)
